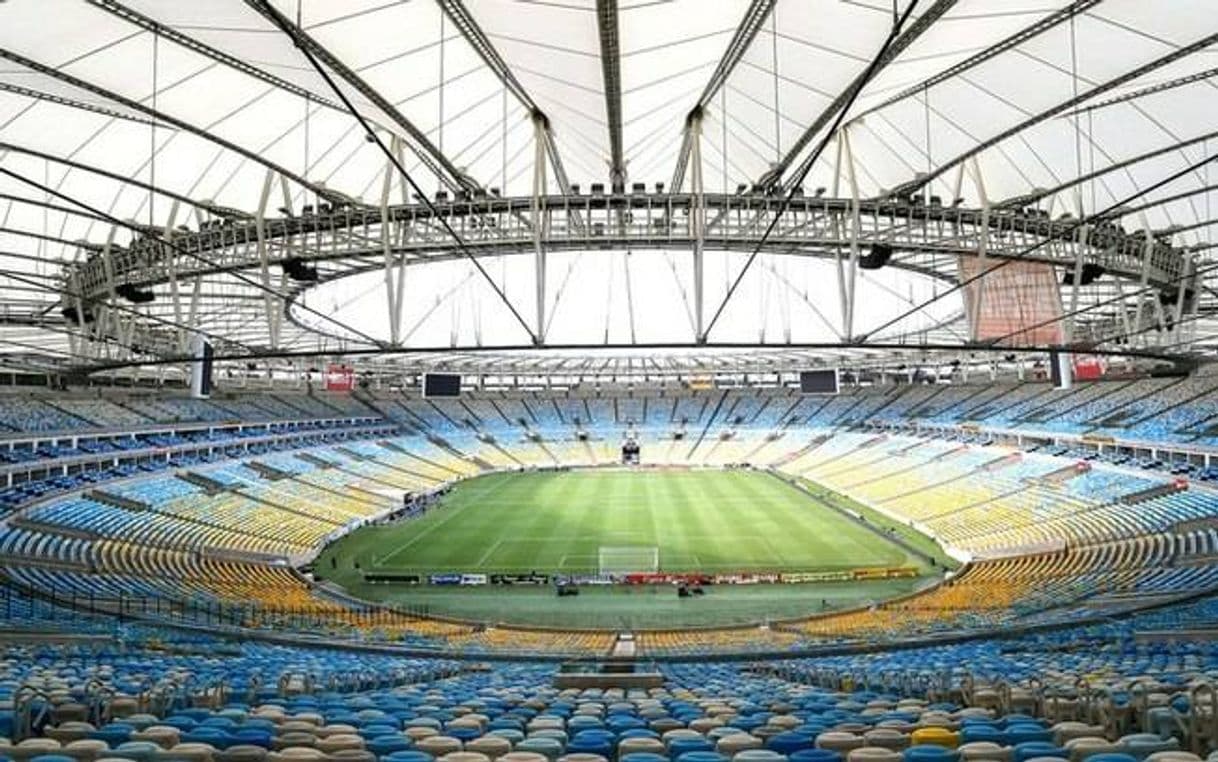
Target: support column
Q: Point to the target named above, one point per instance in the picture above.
(856, 225)
(1124, 308)
(1148, 246)
(540, 227)
(983, 245)
(175, 293)
(839, 158)
(1196, 303)
(1080, 246)
(268, 300)
(1182, 286)
(697, 221)
(395, 272)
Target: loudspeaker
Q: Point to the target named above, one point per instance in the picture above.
(200, 368)
(876, 258)
(296, 269)
(134, 294)
(71, 315)
(1089, 274)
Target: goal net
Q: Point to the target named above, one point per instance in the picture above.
(628, 559)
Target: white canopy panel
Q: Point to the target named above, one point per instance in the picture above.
(122, 118)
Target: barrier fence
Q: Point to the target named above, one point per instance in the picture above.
(24, 604)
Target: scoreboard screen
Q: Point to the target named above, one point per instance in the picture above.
(818, 381)
(441, 385)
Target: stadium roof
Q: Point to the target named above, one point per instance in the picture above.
(127, 122)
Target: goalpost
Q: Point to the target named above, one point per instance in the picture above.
(627, 559)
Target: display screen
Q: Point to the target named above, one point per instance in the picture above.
(818, 381)
(441, 385)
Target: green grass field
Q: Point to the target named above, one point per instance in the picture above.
(708, 521)
(700, 521)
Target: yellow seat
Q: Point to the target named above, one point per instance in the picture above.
(936, 736)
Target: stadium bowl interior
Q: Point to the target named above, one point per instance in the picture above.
(608, 381)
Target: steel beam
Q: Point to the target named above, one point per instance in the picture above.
(1159, 87)
(975, 60)
(431, 156)
(395, 272)
(1169, 199)
(62, 76)
(540, 227)
(698, 223)
(461, 17)
(659, 221)
(854, 235)
(1028, 199)
(150, 24)
(272, 311)
(611, 73)
(1133, 74)
(210, 208)
(983, 245)
(754, 18)
(838, 233)
(61, 100)
(773, 178)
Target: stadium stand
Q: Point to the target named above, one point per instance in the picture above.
(191, 696)
(1051, 531)
(1054, 539)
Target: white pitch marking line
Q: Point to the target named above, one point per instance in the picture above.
(441, 522)
(489, 552)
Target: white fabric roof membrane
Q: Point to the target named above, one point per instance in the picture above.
(148, 110)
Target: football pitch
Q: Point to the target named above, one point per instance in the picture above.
(559, 522)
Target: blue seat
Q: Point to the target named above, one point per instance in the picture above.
(511, 734)
(1024, 732)
(815, 755)
(747, 723)
(410, 755)
(221, 739)
(621, 723)
(584, 722)
(790, 742)
(138, 751)
(592, 745)
(463, 734)
(181, 722)
(388, 744)
(506, 723)
(549, 747)
(1111, 757)
(643, 732)
(974, 732)
(114, 734)
(680, 746)
(252, 736)
(368, 732)
(595, 734)
(930, 753)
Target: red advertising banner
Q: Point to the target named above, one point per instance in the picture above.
(340, 378)
(1088, 367)
(1017, 303)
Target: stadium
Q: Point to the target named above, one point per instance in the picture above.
(608, 381)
